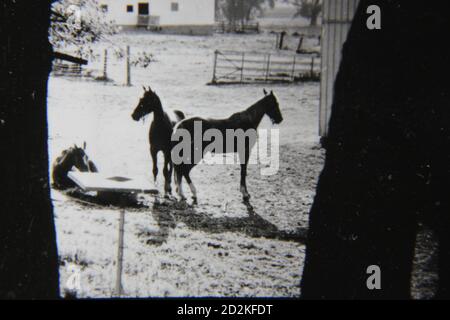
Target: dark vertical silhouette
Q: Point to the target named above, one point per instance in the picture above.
(280, 44)
(28, 254)
(387, 160)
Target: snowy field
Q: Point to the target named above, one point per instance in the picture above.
(219, 247)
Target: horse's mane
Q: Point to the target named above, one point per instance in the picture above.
(60, 159)
(174, 115)
(257, 103)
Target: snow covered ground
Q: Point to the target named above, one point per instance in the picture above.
(219, 247)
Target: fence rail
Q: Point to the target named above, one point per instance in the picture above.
(104, 65)
(244, 67)
(225, 27)
(63, 68)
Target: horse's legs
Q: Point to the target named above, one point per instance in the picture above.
(178, 181)
(245, 194)
(167, 174)
(244, 191)
(154, 154)
(191, 186)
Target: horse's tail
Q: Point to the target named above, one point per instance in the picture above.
(179, 114)
(177, 173)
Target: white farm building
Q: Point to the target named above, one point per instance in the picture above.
(179, 16)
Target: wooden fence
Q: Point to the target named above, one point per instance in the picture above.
(225, 27)
(106, 67)
(232, 67)
(63, 68)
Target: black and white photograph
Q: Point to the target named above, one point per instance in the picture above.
(289, 149)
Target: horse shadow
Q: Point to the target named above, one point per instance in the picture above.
(169, 214)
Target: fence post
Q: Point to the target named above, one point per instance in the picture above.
(105, 65)
(268, 66)
(300, 42)
(242, 66)
(312, 67)
(78, 69)
(128, 67)
(215, 65)
(282, 35)
(79, 66)
(293, 69)
(119, 287)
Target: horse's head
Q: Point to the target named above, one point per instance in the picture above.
(272, 107)
(147, 104)
(77, 156)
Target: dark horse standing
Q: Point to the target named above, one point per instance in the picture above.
(160, 132)
(69, 158)
(244, 120)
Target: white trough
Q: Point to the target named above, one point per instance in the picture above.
(95, 181)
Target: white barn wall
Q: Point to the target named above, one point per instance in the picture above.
(336, 21)
(117, 11)
(190, 12)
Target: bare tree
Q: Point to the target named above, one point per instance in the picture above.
(77, 24)
(310, 9)
(242, 11)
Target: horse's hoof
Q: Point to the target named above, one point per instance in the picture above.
(194, 201)
(246, 198)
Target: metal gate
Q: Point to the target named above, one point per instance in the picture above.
(232, 67)
(336, 22)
